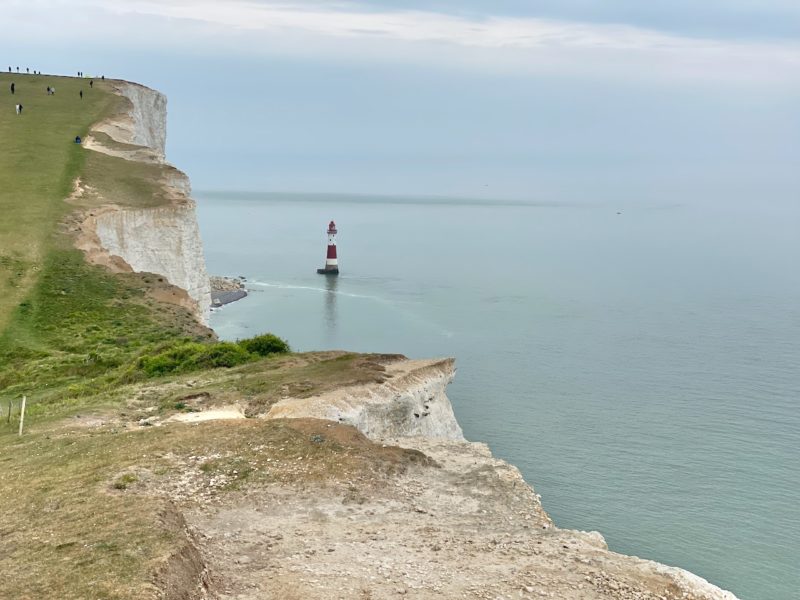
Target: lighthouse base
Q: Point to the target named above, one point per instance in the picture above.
(328, 271)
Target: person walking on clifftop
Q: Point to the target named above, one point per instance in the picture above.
(13, 88)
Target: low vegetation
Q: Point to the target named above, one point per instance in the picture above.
(187, 356)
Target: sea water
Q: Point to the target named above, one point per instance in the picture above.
(640, 364)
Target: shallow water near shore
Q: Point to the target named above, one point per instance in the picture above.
(640, 364)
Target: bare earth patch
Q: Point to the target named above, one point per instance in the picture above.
(232, 412)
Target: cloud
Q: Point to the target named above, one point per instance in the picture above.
(732, 19)
(355, 31)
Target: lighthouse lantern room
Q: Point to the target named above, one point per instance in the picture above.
(331, 261)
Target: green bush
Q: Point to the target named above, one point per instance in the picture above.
(266, 344)
(223, 354)
(185, 357)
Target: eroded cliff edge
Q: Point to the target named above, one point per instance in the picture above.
(163, 237)
(466, 525)
(383, 498)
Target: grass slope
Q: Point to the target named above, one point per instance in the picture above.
(95, 354)
(38, 164)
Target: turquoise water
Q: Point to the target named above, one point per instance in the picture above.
(642, 369)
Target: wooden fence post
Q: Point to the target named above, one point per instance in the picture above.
(22, 414)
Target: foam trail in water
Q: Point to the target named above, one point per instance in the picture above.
(288, 286)
(393, 303)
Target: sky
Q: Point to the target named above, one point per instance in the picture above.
(576, 101)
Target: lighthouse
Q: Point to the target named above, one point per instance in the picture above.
(331, 262)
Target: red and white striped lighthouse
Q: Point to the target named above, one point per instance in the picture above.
(331, 262)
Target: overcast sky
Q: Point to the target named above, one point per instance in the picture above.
(551, 100)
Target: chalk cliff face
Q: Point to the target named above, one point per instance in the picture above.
(145, 123)
(412, 402)
(164, 240)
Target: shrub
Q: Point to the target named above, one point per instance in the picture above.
(224, 354)
(264, 345)
(185, 357)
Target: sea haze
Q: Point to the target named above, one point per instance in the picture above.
(639, 363)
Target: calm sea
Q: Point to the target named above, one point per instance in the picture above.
(639, 363)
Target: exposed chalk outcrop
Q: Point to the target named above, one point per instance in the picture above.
(145, 122)
(164, 240)
(413, 402)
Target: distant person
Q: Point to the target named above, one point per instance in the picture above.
(48, 90)
(19, 109)
(103, 77)
(17, 69)
(28, 70)
(81, 94)
(13, 87)
(91, 83)
(77, 139)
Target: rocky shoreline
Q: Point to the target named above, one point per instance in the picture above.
(225, 290)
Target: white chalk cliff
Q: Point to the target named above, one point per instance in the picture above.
(164, 240)
(412, 402)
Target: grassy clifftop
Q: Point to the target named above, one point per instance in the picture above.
(38, 165)
(98, 356)
(64, 323)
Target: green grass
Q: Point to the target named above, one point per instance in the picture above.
(79, 327)
(38, 164)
